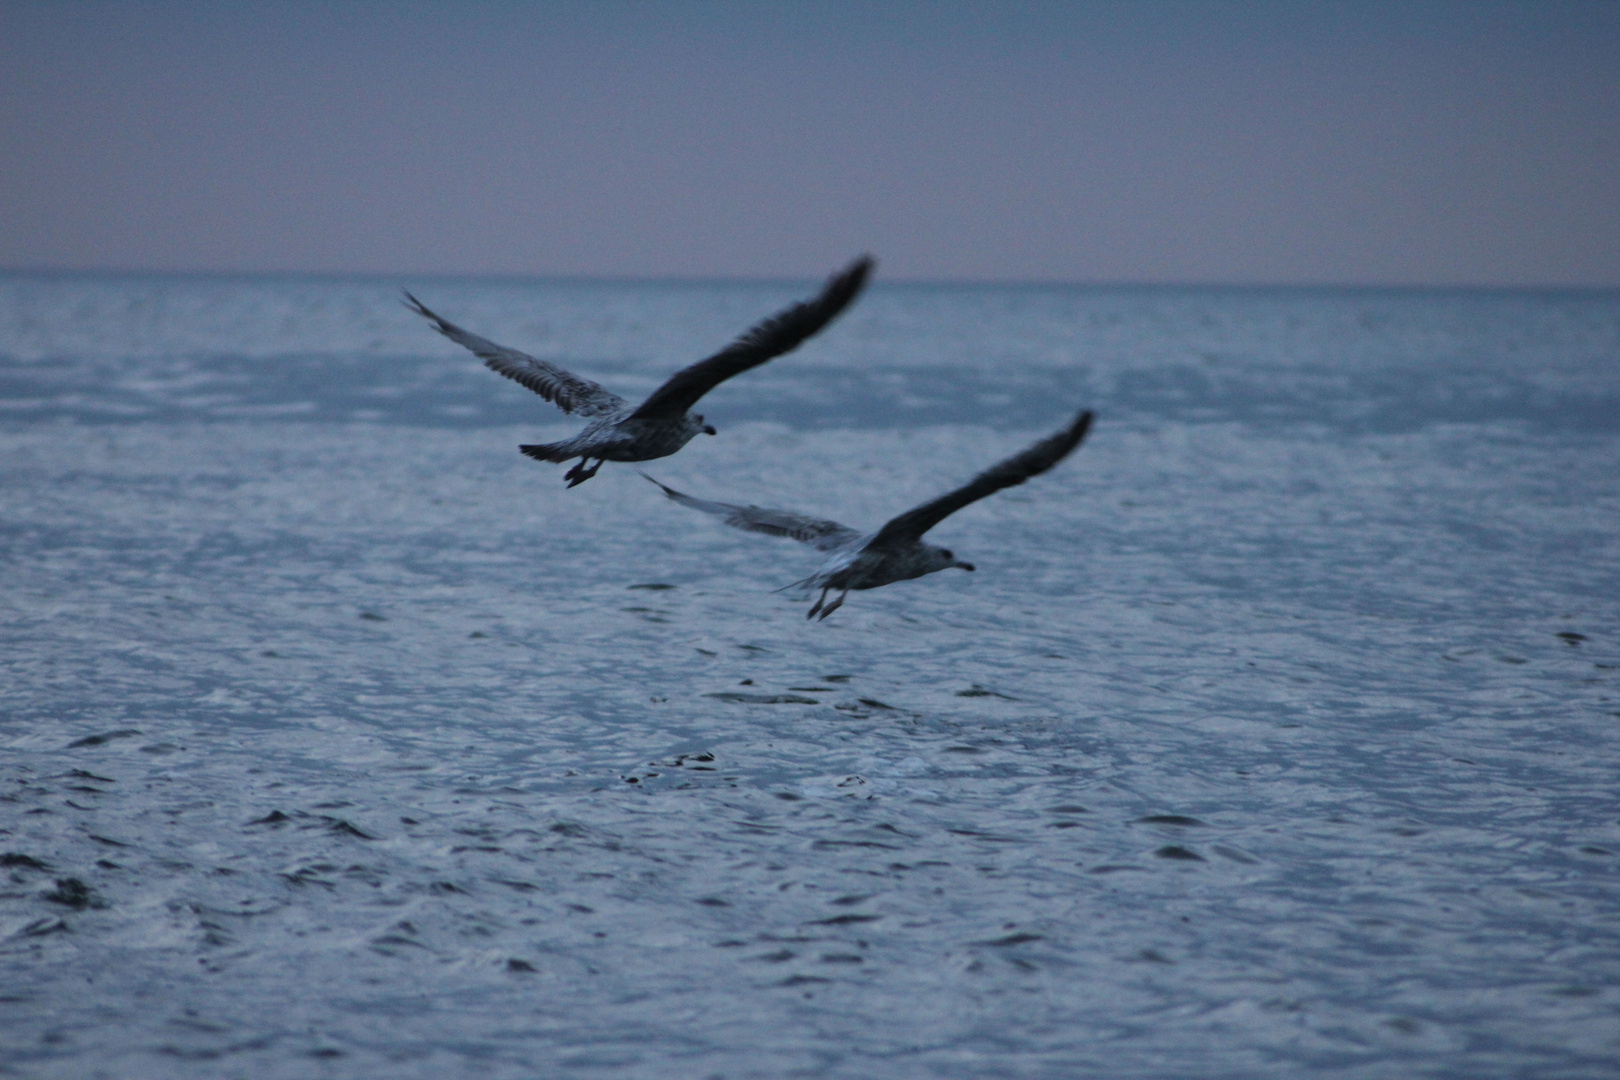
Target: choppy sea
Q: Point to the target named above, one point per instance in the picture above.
(1276, 735)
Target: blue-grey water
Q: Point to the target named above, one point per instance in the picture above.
(1277, 735)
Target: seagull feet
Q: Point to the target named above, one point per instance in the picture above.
(830, 608)
(579, 474)
(817, 605)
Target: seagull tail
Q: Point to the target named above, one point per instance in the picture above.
(549, 451)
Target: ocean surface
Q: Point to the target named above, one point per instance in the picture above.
(1276, 735)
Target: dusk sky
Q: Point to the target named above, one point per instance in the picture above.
(1473, 143)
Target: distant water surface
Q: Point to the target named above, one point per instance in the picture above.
(1276, 735)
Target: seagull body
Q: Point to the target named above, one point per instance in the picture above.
(897, 551)
(662, 424)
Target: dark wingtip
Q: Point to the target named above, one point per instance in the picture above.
(665, 488)
(845, 285)
(853, 277)
(413, 304)
(1076, 433)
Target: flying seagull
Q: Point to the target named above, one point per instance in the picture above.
(897, 551)
(660, 425)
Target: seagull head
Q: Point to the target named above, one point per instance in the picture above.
(948, 559)
(707, 429)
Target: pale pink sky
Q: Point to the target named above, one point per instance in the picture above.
(1223, 141)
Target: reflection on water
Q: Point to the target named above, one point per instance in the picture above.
(1275, 734)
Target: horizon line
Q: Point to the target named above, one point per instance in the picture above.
(773, 279)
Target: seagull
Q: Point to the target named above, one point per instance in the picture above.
(660, 425)
(897, 551)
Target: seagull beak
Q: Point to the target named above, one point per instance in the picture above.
(965, 565)
(708, 429)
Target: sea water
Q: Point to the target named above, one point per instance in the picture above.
(1277, 733)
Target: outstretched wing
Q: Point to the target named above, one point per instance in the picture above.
(822, 535)
(567, 391)
(782, 332)
(911, 525)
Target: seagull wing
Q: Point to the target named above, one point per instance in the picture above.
(782, 332)
(567, 391)
(822, 535)
(911, 525)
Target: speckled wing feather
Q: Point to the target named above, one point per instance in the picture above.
(820, 534)
(567, 391)
(782, 332)
(911, 525)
